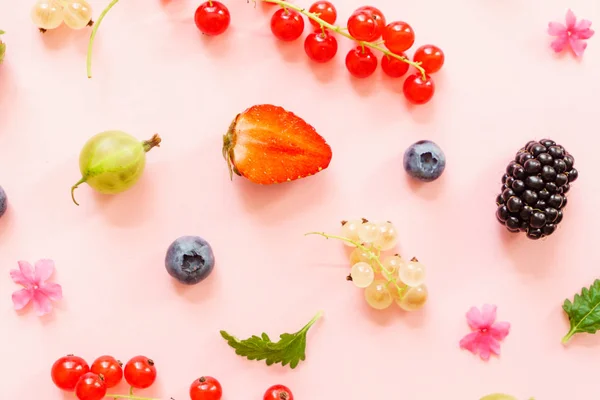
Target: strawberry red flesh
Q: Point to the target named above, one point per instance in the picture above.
(267, 144)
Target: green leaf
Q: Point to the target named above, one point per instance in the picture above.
(584, 311)
(290, 349)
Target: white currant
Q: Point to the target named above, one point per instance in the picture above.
(412, 273)
(362, 274)
(47, 14)
(368, 232)
(378, 295)
(77, 14)
(387, 236)
(350, 231)
(414, 298)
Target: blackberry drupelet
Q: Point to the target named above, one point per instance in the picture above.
(534, 187)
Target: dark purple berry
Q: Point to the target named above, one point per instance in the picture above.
(555, 201)
(551, 214)
(548, 173)
(551, 187)
(537, 220)
(529, 196)
(502, 214)
(543, 194)
(560, 166)
(547, 143)
(534, 182)
(561, 179)
(534, 234)
(523, 157)
(548, 229)
(513, 223)
(569, 161)
(518, 186)
(572, 175)
(526, 212)
(533, 166)
(537, 149)
(507, 194)
(556, 151)
(514, 204)
(545, 159)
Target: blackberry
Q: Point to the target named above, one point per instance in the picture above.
(534, 188)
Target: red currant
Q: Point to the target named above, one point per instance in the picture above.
(431, 58)
(206, 388)
(398, 37)
(376, 14)
(365, 24)
(140, 372)
(90, 387)
(361, 62)
(326, 12)
(320, 47)
(278, 392)
(110, 369)
(66, 371)
(287, 25)
(417, 90)
(212, 18)
(394, 67)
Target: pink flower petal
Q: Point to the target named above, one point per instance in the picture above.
(493, 345)
(27, 271)
(571, 19)
(470, 342)
(41, 303)
(557, 29)
(559, 43)
(52, 290)
(583, 25)
(21, 298)
(474, 318)
(18, 278)
(43, 270)
(484, 353)
(488, 315)
(500, 330)
(578, 46)
(583, 34)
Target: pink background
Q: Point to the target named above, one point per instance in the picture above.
(153, 72)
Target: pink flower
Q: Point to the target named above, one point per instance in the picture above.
(487, 333)
(573, 34)
(35, 286)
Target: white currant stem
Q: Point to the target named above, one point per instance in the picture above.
(93, 36)
(343, 31)
(372, 256)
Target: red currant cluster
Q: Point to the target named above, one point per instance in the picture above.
(367, 26)
(73, 374)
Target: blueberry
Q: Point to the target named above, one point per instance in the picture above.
(3, 202)
(425, 161)
(190, 259)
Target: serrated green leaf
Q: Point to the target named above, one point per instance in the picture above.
(584, 311)
(289, 350)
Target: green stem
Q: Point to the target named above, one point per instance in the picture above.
(93, 36)
(568, 336)
(130, 397)
(372, 255)
(342, 31)
(75, 186)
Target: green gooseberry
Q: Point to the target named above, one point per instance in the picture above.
(113, 161)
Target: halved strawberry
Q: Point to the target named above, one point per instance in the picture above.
(267, 144)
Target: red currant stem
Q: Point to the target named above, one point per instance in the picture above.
(130, 397)
(131, 390)
(93, 36)
(372, 256)
(342, 31)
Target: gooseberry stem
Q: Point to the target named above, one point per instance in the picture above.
(343, 31)
(75, 186)
(93, 36)
(153, 142)
(372, 256)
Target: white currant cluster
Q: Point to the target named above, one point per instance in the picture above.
(385, 278)
(50, 14)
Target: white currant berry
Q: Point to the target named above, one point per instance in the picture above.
(412, 273)
(360, 255)
(378, 296)
(392, 265)
(368, 232)
(47, 14)
(77, 14)
(362, 274)
(414, 298)
(350, 231)
(388, 236)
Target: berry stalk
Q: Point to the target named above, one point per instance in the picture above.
(342, 31)
(126, 396)
(372, 256)
(93, 36)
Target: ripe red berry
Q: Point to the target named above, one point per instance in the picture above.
(326, 11)
(278, 392)
(361, 62)
(376, 14)
(431, 58)
(365, 25)
(393, 67)
(206, 388)
(90, 387)
(140, 372)
(398, 37)
(67, 370)
(417, 90)
(287, 25)
(110, 369)
(320, 47)
(212, 18)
